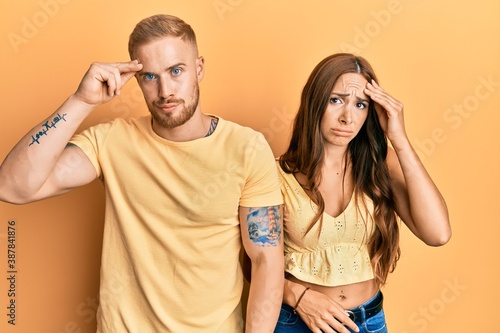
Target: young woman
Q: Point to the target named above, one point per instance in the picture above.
(345, 190)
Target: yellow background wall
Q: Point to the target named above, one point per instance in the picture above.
(440, 58)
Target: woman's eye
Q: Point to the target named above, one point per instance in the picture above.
(361, 105)
(334, 100)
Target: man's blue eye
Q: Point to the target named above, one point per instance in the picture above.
(150, 76)
(176, 71)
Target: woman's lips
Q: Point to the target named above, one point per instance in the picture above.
(341, 132)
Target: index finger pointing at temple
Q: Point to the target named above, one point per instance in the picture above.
(129, 66)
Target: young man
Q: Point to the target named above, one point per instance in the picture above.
(183, 189)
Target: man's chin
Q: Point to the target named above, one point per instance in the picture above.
(171, 122)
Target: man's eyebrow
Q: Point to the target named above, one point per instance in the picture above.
(144, 72)
(180, 64)
(347, 95)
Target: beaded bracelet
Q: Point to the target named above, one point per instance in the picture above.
(300, 299)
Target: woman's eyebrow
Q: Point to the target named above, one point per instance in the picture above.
(360, 99)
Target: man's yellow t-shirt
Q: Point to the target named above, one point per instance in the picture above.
(170, 260)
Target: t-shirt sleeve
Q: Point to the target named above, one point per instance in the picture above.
(91, 142)
(262, 187)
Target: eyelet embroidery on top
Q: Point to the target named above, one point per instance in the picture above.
(339, 225)
(355, 265)
(329, 257)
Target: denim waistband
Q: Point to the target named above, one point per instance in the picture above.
(368, 309)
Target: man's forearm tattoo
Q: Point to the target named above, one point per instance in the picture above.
(264, 226)
(49, 124)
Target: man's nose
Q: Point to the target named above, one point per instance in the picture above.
(165, 88)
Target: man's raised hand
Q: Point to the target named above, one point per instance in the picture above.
(103, 81)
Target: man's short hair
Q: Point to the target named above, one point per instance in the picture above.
(157, 27)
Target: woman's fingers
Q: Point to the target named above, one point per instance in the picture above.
(380, 96)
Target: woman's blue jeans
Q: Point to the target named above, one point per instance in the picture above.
(290, 322)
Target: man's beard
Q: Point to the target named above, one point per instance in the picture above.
(168, 120)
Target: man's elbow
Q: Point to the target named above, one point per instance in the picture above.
(15, 196)
(15, 199)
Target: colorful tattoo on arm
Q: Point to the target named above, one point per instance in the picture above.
(46, 127)
(264, 226)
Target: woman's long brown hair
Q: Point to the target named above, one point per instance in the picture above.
(367, 154)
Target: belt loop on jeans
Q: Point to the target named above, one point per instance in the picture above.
(371, 308)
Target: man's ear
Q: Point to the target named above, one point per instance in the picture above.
(200, 68)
